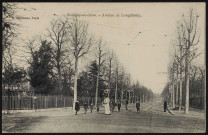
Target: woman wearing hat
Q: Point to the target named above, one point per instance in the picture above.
(106, 103)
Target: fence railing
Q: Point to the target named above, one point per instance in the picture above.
(41, 102)
(35, 102)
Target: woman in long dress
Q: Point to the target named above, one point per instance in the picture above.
(107, 106)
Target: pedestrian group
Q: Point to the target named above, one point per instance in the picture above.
(109, 106)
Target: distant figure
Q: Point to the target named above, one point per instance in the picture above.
(91, 107)
(119, 106)
(107, 106)
(77, 107)
(126, 104)
(138, 106)
(85, 108)
(98, 105)
(165, 106)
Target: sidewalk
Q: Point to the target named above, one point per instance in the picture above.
(196, 113)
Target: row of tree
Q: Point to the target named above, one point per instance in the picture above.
(54, 59)
(186, 80)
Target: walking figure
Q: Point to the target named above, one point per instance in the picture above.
(138, 106)
(165, 106)
(91, 107)
(107, 106)
(126, 104)
(119, 106)
(85, 107)
(77, 107)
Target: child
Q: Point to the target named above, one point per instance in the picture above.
(91, 107)
(85, 107)
(138, 106)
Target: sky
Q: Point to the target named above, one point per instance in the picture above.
(139, 42)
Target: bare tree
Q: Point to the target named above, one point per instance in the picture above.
(122, 77)
(180, 59)
(190, 40)
(57, 34)
(9, 33)
(100, 54)
(116, 80)
(8, 24)
(171, 71)
(80, 41)
(110, 58)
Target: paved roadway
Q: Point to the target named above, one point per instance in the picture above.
(152, 119)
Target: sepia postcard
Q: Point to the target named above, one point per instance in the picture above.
(94, 67)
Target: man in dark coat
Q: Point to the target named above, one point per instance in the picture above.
(91, 107)
(77, 107)
(165, 106)
(138, 106)
(119, 106)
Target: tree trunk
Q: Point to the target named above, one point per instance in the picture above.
(59, 81)
(110, 75)
(187, 86)
(122, 94)
(171, 95)
(116, 92)
(177, 87)
(126, 94)
(129, 97)
(97, 82)
(181, 86)
(173, 91)
(75, 83)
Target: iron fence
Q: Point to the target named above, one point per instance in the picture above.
(35, 102)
